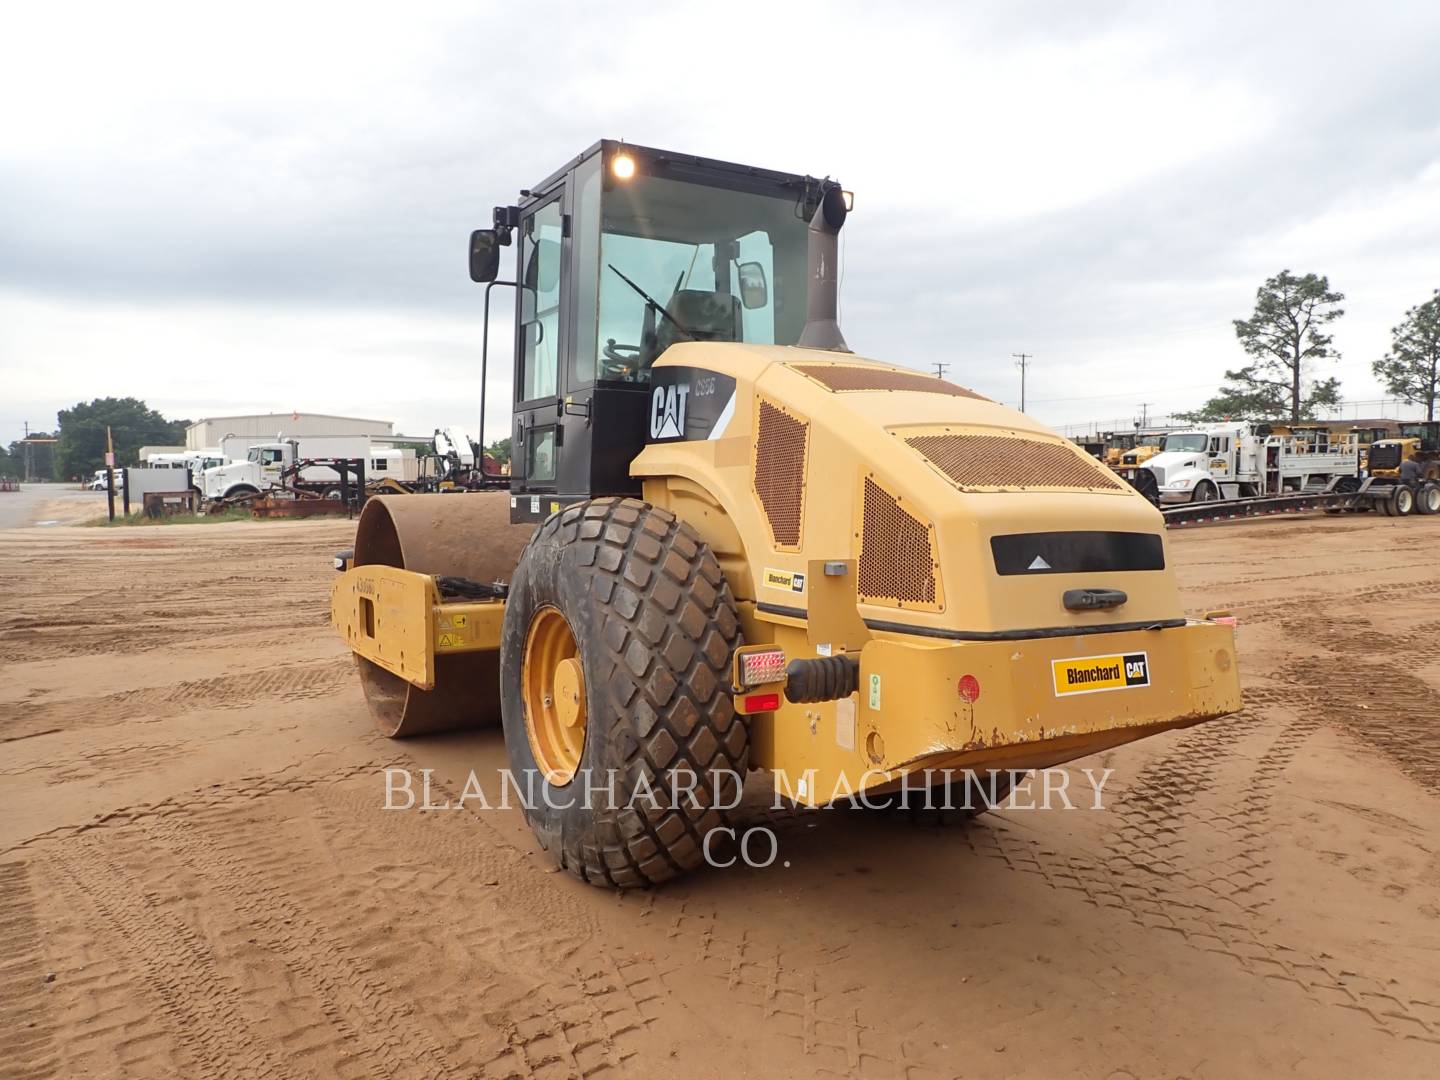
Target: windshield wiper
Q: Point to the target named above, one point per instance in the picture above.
(653, 303)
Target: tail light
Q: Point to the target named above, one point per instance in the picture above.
(759, 668)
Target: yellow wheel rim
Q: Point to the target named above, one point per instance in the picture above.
(553, 685)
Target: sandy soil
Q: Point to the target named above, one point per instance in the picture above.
(197, 877)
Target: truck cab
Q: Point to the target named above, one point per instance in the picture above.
(261, 469)
(1192, 464)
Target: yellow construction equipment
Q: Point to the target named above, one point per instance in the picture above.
(1147, 445)
(732, 544)
(1419, 443)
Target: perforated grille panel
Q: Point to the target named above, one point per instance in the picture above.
(897, 558)
(996, 461)
(840, 379)
(780, 449)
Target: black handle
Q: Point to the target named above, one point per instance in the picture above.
(1093, 599)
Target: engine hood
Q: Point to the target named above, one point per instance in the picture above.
(953, 513)
(1177, 461)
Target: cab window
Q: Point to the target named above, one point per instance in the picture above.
(686, 262)
(540, 303)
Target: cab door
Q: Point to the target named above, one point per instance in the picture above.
(542, 343)
(272, 464)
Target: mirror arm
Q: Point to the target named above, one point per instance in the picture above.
(484, 365)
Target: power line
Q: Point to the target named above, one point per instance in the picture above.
(1024, 359)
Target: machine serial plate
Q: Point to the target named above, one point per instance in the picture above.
(1094, 674)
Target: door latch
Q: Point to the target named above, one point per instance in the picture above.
(1094, 599)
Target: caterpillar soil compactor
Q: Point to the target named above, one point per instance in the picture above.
(732, 544)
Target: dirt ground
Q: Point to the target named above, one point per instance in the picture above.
(197, 877)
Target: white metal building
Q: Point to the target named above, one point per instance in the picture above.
(144, 452)
(210, 430)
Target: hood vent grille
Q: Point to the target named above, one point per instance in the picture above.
(1007, 463)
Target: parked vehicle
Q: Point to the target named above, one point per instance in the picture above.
(265, 464)
(1242, 460)
(1417, 442)
(197, 461)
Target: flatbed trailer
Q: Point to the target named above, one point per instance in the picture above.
(345, 494)
(1353, 494)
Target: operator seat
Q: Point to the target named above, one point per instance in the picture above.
(708, 316)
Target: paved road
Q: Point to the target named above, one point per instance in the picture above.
(23, 507)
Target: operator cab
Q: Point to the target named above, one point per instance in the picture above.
(619, 255)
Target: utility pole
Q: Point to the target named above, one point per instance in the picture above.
(1145, 414)
(940, 370)
(1024, 359)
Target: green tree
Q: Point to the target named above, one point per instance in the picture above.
(132, 424)
(40, 455)
(499, 451)
(1411, 369)
(1286, 336)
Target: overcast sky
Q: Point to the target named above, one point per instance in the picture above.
(264, 207)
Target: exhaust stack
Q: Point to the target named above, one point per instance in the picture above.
(822, 297)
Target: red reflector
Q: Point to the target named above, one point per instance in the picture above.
(762, 702)
(968, 688)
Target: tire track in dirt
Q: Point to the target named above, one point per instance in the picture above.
(1382, 704)
(620, 992)
(149, 630)
(241, 873)
(578, 1024)
(291, 682)
(27, 1039)
(1210, 903)
(204, 1011)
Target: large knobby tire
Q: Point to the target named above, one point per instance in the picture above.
(653, 627)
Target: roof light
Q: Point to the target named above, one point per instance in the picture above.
(623, 166)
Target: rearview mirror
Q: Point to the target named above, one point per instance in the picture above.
(484, 255)
(754, 293)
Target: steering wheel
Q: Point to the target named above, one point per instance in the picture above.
(623, 359)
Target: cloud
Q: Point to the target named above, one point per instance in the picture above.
(268, 205)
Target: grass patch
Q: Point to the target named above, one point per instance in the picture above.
(233, 514)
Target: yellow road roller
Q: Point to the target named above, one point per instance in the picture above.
(729, 543)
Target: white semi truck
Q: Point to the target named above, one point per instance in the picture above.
(1242, 460)
(265, 463)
